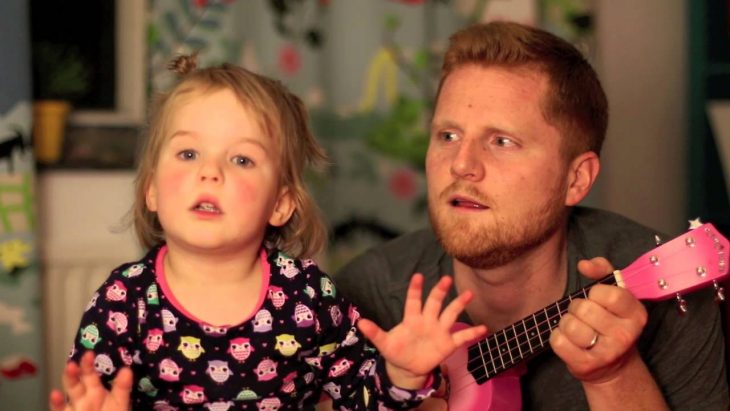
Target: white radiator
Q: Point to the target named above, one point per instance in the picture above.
(78, 213)
(68, 287)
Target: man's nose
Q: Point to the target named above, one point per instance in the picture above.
(467, 162)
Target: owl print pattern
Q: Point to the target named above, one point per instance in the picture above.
(300, 342)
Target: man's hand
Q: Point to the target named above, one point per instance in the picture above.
(596, 337)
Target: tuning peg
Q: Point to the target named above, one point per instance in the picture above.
(719, 292)
(658, 240)
(681, 305)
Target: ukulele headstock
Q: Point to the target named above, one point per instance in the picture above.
(688, 262)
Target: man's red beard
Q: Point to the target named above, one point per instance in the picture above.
(506, 237)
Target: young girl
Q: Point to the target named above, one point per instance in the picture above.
(222, 313)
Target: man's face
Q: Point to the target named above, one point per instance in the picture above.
(496, 179)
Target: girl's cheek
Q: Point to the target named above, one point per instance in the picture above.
(170, 182)
(245, 191)
(175, 178)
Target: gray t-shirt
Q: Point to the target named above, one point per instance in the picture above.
(686, 354)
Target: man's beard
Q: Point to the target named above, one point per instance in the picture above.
(502, 241)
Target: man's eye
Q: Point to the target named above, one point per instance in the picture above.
(187, 155)
(242, 161)
(448, 136)
(504, 141)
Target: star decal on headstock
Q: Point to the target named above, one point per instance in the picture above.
(694, 223)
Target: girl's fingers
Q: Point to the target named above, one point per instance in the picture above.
(122, 387)
(466, 335)
(413, 297)
(436, 297)
(56, 400)
(372, 332)
(89, 378)
(71, 382)
(456, 307)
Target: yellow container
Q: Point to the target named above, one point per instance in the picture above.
(49, 127)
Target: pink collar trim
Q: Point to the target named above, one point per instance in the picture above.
(165, 289)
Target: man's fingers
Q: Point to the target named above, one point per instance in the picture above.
(576, 330)
(595, 268)
(618, 301)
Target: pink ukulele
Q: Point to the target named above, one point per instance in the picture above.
(484, 376)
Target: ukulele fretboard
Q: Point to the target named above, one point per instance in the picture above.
(521, 340)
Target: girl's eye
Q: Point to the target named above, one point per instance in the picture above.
(187, 155)
(242, 161)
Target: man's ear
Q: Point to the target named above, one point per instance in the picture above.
(283, 209)
(582, 173)
(151, 196)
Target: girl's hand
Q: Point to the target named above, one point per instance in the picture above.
(86, 392)
(423, 340)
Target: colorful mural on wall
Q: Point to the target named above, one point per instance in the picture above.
(21, 327)
(368, 71)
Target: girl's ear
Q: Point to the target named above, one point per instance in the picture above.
(283, 209)
(151, 196)
(582, 173)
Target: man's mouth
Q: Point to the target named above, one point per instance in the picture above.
(461, 202)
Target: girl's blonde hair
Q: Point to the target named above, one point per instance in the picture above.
(281, 114)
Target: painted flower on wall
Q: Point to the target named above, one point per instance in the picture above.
(18, 366)
(402, 184)
(289, 60)
(204, 3)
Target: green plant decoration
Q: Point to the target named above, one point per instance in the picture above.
(401, 135)
(59, 72)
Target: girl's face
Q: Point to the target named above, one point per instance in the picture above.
(215, 187)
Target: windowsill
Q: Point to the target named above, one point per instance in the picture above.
(97, 148)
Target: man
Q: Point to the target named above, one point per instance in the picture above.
(516, 134)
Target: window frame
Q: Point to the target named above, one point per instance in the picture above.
(130, 55)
